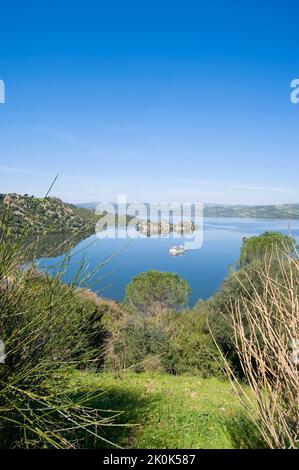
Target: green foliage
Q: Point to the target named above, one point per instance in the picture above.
(259, 255)
(50, 329)
(265, 244)
(169, 341)
(152, 288)
(237, 285)
(36, 216)
(192, 348)
(134, 340)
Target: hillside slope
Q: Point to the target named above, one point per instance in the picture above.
(40, 215)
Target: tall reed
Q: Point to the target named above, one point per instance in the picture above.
(265, 324)
(44, 330)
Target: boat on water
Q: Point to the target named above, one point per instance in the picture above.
(177, 250)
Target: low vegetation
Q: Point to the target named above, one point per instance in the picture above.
(72, 358)
(170, 412)
(163, 341)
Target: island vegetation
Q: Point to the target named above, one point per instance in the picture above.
(164, 227)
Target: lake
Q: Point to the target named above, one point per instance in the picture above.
(204, 269)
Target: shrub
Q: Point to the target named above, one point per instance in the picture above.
(134, 338)
(192, 348)
(164, 340)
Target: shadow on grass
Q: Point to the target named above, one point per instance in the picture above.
(128, 410)
(243, 433)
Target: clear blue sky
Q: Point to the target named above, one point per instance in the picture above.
(161, 100)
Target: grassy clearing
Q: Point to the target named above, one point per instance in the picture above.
(163, 411)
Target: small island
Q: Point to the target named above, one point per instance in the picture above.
(164, 227)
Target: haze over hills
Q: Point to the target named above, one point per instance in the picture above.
(54, 216)
(281, 211)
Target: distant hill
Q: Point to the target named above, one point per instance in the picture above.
(283, 211)
(87, 205)
(51, 216)
(40, 215)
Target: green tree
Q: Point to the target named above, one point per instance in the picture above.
(157, 288)
(257, 247)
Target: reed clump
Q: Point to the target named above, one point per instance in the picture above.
(44, 331)
(265, 326)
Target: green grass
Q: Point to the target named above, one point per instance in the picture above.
(163, 411)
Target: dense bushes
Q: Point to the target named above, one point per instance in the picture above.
(169, 341)
(152, 332)
(133, 339)
(192, 348)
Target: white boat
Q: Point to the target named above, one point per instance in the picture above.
(177, 250)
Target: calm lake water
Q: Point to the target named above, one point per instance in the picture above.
(204, 269)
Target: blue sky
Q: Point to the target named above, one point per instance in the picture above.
(160, 100)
